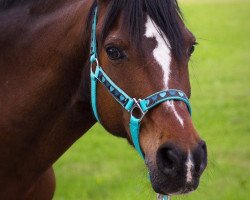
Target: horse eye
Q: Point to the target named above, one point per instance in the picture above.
(191, 50)
(114, 53)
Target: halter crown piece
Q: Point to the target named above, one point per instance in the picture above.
(127, 102)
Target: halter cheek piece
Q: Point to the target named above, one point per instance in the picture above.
(127, 102)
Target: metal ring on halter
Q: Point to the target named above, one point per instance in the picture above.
(91, 65)
(163, 197)
(137, 105)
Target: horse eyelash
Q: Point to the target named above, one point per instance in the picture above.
(196, 43)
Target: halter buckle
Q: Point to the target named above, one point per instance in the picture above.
(137, 106)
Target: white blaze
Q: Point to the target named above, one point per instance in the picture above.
(171, 105)
(162, 51)
(162, 55)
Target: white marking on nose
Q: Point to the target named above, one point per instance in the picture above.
(178, 117)
(190, 166)
(162, 54)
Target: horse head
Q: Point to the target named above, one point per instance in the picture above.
(144, 47)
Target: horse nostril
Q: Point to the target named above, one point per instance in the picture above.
(200, 156)
(204, 157)
(167, 160)
(203, 146)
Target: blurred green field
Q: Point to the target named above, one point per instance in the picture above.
(100, 166)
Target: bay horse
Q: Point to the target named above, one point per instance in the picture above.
(64, 64)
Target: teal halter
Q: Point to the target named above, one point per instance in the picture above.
(127, 102)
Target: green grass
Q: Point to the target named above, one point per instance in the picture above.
(100, 166)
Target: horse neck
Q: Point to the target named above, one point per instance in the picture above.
(43, 105)
(55, 33)
(50, 46)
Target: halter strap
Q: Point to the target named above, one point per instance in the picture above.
(127, 102)
(93, 50)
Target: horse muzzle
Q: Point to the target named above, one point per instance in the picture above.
(175, 171)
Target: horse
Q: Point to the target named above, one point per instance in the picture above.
(64, 65)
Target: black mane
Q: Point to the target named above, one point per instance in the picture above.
(165, 14)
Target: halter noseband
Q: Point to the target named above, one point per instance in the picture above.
(127, 102)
